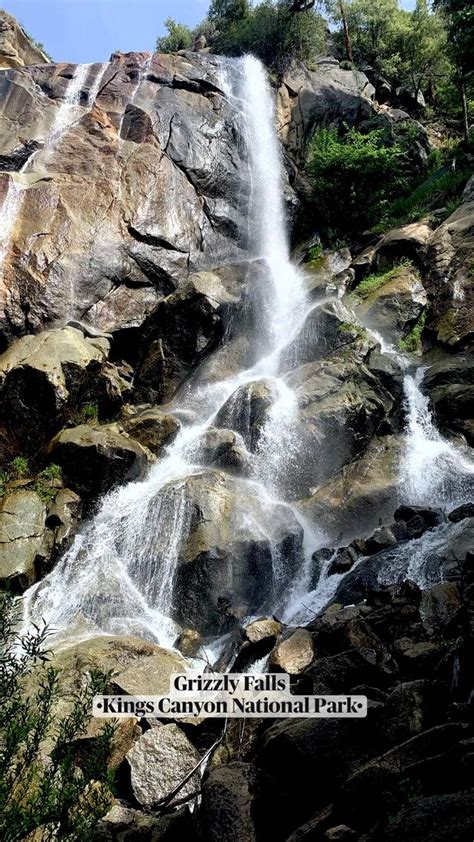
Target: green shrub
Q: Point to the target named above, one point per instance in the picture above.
(354, 177)
(45, 486)
(87, 414)
(412, 342)
(180, 37)
(19, 467)
(440, 190)
(60, 797)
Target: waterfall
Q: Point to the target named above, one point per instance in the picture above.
(96, 85)
(119, 574)
(65, 115)
(433, 471)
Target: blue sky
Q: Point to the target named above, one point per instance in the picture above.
(89, 30)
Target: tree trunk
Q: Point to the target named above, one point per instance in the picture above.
(465, 113)
(347, 37)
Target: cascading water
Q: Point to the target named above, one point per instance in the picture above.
(119, 574)
(97, 83)
(433, 471)
(65, 115)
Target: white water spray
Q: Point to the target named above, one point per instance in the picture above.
(119, 574)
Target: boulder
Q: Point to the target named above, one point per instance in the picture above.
(230, 804)
(189, 643)
(246, 410)
(294, 653)
(22, 528)
(393, 308)
(152, 428)
(326, 328)
(158, 762)
(43, 378)
(142, 187)
(139, 668)
(450, 386)
(440, 608)
(124, 824)
(94, 459)
(407, 242)
(450, 287)
(434, 818)
(262, 629)
(351, 503)
(237, 555)
(413, 707)
(221, 448)
(328, 274)
(16, 47)
(311, 98)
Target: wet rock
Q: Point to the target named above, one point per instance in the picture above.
(262, 629)
(294, 653)
(327, 274)
(341, 406)
(461, 512)
(173, 206)
(341, 833)
(94, 459)
(225, 566)
(123, 824)
(393, 308)
(246, 410)
(182, 329)
(188, 642)
(22, 527)
(353, 501)
(418, 519)
(450, 386)
(220, 448)
(343, 560)
(230, 797)
(63, 518)
(42, 379)
(325, 329)
(152, 428)
(158, 762)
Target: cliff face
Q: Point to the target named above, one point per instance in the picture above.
(16, 47)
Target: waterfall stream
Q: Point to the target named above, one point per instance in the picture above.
(119, 575)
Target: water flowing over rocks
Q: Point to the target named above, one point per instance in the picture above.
(269, 481)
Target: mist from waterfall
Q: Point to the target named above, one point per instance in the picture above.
(118, 576)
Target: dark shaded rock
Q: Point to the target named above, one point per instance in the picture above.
(344, 560)
(437, 818)
(461, 512)
(450, 386)
(94, 459)
(440, 608)
(152, 428)
(246, 411)
(220, 448)
(412, 708)
(428, 517)
(230, 804)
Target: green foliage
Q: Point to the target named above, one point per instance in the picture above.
(45, 483)
(269, 32)
(180, 37)
(19, 467)
(87, 414)
(354, 177)
(31, 796)
(353, 329)
(412, 343)
(440, 190)
(378, 279)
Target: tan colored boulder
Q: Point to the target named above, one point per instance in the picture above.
(294, 653)
(16, 46)
(22, 527)
(189, 643)
(94, 459)
(152, 428)
(261, 629)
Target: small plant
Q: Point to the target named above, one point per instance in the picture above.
(373, 282)
(412, 343)
(45, 485)
(88, 413)
(315, 252)
(19, 467)
(31, 796)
